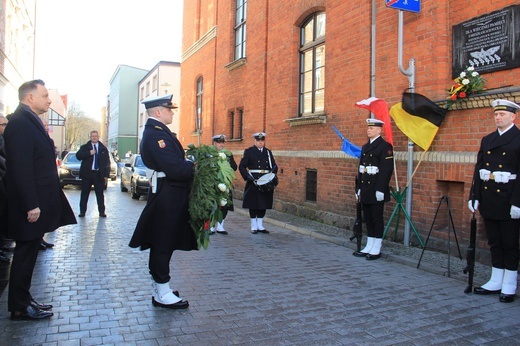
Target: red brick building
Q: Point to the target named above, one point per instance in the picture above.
(294, 68)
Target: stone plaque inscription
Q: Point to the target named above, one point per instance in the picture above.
(488, 43)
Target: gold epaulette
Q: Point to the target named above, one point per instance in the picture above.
(159, 128)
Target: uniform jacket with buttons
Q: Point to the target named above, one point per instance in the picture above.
(255, 159)
(498, 153)
(379, 153)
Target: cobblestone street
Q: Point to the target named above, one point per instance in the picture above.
(282, 288)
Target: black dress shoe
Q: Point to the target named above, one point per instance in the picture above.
(6, 248)
(506, 298)
(254, 231)
(360, 254)
(49, 245)
(370, 257)
(3, 257)
(41, 306)
(102, 215)
(183, 304)
(222, 232)
(81, 215)
(483, 291)
(30, 313)
(43, 247)
(263, 231)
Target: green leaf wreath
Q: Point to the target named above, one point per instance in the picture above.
(210, 189)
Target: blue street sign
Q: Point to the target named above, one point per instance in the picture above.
(405, 5)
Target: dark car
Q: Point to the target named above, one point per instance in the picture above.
(69, 170)
(133, 177)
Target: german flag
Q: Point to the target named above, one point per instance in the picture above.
(418, 118)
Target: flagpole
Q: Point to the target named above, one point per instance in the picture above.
(410, 74)
(415, 170)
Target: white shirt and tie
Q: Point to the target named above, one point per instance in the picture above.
(95, 164)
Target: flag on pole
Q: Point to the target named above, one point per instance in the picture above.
(418, 118)
(347, 147)
(380, 109)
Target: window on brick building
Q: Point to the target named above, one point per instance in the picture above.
(311, 185)
(240, 29)
(198, 106)
(312, 65)
(236, 117)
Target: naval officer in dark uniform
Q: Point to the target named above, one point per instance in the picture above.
(164, 223)
(256, 162)
(219, 142)
(374, 172)
(496, 194)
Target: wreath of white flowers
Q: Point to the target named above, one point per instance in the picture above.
(210, 189)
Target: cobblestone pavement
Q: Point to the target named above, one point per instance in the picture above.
(282, 288)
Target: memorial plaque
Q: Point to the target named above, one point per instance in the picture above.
(488, 43)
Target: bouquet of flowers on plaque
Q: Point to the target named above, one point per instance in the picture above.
(468, 82)
(210, 189)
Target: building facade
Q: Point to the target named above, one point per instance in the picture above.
(17, 25)
(163, 79)
(122, 109)
(295, 68)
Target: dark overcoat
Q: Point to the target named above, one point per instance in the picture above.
(255, 159)
(379, 153)
(3, 190)
(87, 159)
(164, 223)
(33, 178)
(498, 153)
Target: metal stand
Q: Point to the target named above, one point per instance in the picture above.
(450, 225)
(399, 200)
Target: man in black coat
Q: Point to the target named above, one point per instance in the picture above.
(219, 141)
(94, 170)
(164, 223)
(495, 194)
(374, 172)
(37, 204)
(257, 162)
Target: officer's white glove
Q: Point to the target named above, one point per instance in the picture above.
(473, 205)
(484, 174)
(515, 212)
(361, 169)
(380, 196)
(358, 193)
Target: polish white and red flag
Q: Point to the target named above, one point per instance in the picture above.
(379, 108)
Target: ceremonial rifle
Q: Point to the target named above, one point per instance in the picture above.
(470, 255)
(357, 229)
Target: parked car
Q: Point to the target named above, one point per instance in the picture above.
(69, 170)
(113, 167)
(133, 177)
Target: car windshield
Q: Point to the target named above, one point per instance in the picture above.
(139, 162)
(71, 158)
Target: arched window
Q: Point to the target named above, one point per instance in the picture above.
(198, 106)
(312, 65)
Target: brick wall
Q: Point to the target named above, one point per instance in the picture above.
(266, 87)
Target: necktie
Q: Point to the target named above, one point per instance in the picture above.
(96, 164)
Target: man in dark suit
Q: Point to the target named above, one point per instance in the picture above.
(495, 193)
(164, 226)
(257, 162)
(37, 204)
(94, 170)
(219, 141)
(374, 172)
